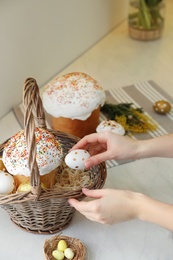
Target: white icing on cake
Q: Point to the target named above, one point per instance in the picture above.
(110, 125)
(74, 95)
(15, 154)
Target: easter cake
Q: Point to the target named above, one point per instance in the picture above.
(74, 100)
(49, 155)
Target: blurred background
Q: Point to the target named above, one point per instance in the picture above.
(40, 38)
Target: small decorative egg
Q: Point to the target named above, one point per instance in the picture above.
(26, 187)
(62, 245)
(6, 183)
(162, 107)
(110, 125)
(76, 159)
(69, 254)
(59, 255)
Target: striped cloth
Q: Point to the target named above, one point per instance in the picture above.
(143, 95)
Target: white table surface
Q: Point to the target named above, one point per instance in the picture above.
(116, 60)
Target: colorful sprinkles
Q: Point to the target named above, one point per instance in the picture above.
(77, 90)
(48, 157)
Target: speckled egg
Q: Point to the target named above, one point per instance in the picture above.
(112, 126)
(6, 183)
(162, 107)
(76, 159)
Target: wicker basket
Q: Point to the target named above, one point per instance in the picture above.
(75, 244)
(44, 211)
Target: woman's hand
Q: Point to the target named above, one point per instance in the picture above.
(109, 206)
(106, 146)
(113, 206)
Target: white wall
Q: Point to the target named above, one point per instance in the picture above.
(39, 38)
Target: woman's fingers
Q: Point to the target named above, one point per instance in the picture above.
(93, 193)
(90, 140)
(86, 206)
(96, 159)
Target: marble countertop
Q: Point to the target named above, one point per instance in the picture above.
(117, 60)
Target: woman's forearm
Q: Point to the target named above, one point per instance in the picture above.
(161, 146)
(154, 211)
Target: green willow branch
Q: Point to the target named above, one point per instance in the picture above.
(147, 15)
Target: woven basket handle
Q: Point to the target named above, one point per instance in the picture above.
(33, 116)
